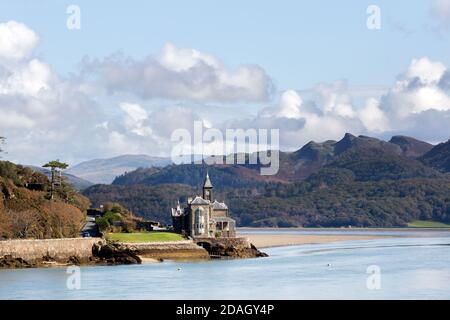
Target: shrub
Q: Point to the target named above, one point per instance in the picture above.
(102, 224)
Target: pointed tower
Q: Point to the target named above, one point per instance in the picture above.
(207, 188)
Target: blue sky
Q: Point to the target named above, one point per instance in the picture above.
(309, 68)
(299, 43)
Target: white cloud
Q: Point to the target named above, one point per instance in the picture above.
(417, 104)
(47, 117)
(418, 89)
(26, 79)
(427, 71)
(335, 99)
(373, 117)
(136, 118)
(288, 107)
(301, 121)
(17, 41)
(179, 60)
(181, 74)
(11, 119)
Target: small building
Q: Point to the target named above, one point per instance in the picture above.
(204, 217)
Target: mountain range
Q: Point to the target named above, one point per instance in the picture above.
(106, 170)
(359, 181)
(299, 165)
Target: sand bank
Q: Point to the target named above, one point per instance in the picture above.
(278, 240)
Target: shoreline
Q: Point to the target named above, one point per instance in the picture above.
(49, 253)
(264, 241)
(281, 237)
(406, 229)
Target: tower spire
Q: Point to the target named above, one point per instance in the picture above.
(207, 188)
(207, 183)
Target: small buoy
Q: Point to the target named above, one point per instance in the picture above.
(328, 264)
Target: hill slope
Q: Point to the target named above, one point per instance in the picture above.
(359, 181)
(29, 214)
(438, 157)
(411, 147)
(368, 157)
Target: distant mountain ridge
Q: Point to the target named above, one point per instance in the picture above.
(438, 157)
(411, 147)
(359, 181)
(299, 165)
(294, 166)
(77, 182)
(104, 171)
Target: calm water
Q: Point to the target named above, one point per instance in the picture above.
(413, 266)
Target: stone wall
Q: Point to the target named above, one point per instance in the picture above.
(227, 242)
(57, 249)
(177, 250)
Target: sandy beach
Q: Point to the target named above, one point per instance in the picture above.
(278, 240)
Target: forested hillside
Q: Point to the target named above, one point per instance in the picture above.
(357, 181)
(27, 211)
(438, 157)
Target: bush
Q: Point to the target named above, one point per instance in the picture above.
(102, 224)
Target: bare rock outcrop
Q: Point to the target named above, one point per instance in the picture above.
(233, 251)
(114, 254)
(238, 248)
(11, 262)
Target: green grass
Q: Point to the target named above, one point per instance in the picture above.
(427, 224)
(140, 237)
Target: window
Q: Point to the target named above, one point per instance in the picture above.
(199, 221)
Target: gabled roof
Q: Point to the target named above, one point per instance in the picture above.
(219, 205)
(200, 200)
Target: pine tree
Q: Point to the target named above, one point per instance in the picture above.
(56, 169)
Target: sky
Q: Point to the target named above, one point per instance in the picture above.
(135, 71)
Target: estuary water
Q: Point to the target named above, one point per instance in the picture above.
(413, 265)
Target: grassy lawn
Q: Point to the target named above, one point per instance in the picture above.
(427, 224)
(144, 237)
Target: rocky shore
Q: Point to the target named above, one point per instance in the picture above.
(236, 252)
(199, 248)
(235, 248)
(114, 254)
(102, 253)
(64, 252)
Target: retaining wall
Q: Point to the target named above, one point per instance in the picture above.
(227, 242)
(186, 249)
(58, 249)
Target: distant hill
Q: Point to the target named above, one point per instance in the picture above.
(438, 157)
(104, 171)
(76, 182)
(368, 157)
(359, 181)
(411, 147)
(371, 159)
